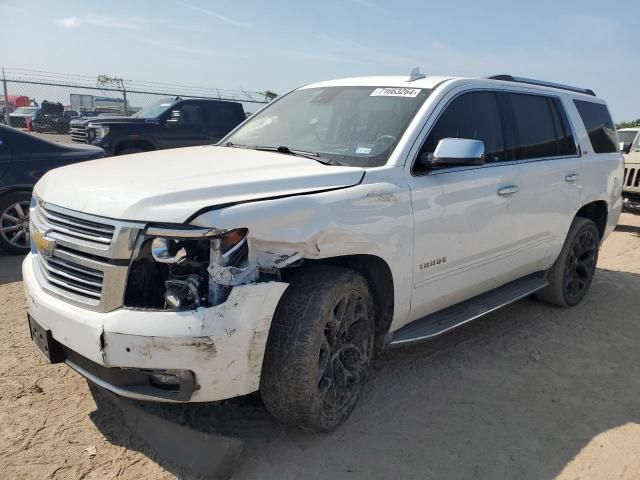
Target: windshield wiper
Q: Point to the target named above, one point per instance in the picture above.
(300, 153)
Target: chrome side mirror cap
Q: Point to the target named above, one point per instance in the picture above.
(455, 152)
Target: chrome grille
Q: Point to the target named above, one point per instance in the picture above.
(78, 133)
(87, 260)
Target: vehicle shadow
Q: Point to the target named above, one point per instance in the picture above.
(633, 229)
(517, 394)
(10, 268)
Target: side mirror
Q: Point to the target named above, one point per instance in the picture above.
(174, 118)
(625, 147)
(456, 152)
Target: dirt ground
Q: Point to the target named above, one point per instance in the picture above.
(529, 392)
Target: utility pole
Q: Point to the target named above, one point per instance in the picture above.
(106, 80)
(6, 99)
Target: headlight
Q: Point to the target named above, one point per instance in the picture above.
(173, 267)
(99, 131)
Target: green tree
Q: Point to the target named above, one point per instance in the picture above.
(631, 124)
(270, 95)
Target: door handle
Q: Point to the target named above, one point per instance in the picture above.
(571, 178)
(508, 190)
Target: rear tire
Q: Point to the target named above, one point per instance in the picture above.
(319, 348)
(572, 274)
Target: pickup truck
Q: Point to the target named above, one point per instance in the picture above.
(346, 216)
(169, 123)
(630, 146)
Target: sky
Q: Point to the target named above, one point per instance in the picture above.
(279, 45)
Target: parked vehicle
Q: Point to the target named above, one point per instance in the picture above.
(24, 158)
(630, 146)
(346, 216)
(53, 118)
(19, 117)
(166, 124)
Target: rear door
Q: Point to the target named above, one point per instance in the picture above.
(549, 181)
(5, 152)
(221, 118)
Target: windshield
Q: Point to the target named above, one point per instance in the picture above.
(357, 126)
(627, 136)
(154, 110)
(26, 111)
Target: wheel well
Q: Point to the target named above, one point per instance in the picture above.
(14, 190)
(143, 144)
(378, 274)
(596, 212)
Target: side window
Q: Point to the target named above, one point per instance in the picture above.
(221, 115)
(473, 115)
(599, 125)
(541, 130)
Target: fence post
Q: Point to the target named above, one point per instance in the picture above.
(124, 96)
(6, 99)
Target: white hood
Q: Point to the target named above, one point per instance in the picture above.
(171, 185)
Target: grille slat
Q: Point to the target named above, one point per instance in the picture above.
(76, 227)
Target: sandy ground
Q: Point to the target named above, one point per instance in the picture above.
(530, 392)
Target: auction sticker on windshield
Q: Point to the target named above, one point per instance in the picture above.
(395, 92)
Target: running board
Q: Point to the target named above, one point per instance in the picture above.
(464, 312)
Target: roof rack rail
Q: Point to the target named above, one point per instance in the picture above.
(542, 83)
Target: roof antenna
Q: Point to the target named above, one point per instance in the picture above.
(415, 75)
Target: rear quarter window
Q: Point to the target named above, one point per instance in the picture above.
(597, 121)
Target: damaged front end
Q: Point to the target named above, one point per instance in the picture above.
(184, 268)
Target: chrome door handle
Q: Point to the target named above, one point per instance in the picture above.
(572, 177)
(508, 190)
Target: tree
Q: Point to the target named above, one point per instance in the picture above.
(270, 95)
(631, 124)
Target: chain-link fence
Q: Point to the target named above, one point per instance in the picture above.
(25, 93)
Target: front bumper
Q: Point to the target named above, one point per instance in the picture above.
(223, 345)
(631, 202)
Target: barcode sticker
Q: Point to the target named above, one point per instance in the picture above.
(395, 92)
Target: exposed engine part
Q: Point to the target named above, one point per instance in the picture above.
(226, 270)
(182, 294)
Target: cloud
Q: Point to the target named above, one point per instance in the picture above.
(365, 3)
(222, 18)
(106, 21)
(69, 22)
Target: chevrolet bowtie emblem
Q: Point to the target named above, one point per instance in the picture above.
(44, 245)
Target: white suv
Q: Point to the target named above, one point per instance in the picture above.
(630, 146)
(346, 216)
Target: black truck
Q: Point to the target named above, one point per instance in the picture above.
(168, 123)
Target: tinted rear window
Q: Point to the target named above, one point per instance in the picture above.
(599, 125)
(542, 127)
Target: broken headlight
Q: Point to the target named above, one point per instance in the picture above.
(185, 268)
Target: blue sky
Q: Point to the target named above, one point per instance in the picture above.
(279, 45)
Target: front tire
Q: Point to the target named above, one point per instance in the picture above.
(14, 223)
(319, 348)
(572, 274)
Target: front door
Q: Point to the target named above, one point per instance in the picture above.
(464, 241)
(184, 127)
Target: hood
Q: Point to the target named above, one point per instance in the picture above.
(171, 185)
